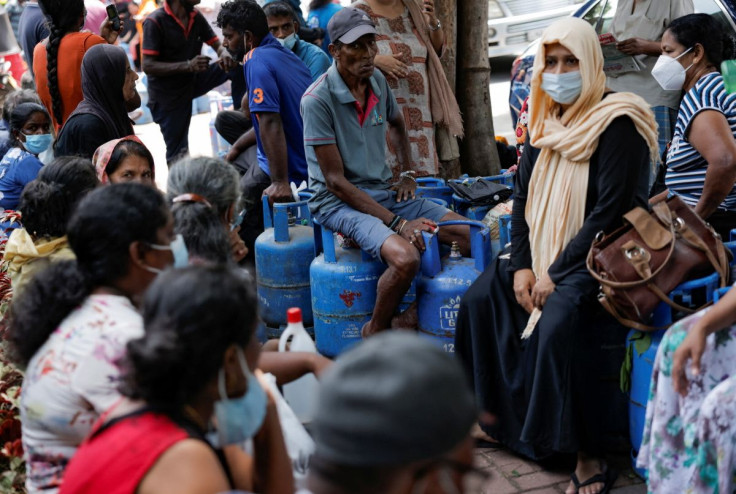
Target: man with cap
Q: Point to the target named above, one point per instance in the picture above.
(350, 115)
(394, 417)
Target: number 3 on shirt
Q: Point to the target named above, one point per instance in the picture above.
(258, 95)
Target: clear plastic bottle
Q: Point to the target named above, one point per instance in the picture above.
(302, 393)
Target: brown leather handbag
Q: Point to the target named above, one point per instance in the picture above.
(655, 251)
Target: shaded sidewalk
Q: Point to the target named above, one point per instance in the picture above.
(512, 474)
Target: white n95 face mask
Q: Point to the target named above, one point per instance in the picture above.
(563, 88)
(669, 73)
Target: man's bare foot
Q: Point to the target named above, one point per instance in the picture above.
(586, 469)
(409, 319)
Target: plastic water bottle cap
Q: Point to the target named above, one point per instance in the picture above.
(294, 315)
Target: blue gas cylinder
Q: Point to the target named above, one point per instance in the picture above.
(437, 188)
(504, 230)
(464, 208)
(283, 254)
(344, 282)
(305, 194)
(443, 282)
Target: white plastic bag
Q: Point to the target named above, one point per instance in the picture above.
(299, 444)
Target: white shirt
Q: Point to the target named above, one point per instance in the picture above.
(649, 21)
(70, 381)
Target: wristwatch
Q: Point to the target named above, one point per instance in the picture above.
(436, 27)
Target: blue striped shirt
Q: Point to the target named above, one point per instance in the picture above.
(685, 165)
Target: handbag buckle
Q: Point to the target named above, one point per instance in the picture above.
(598, 237)
(679, 224)
(634, 252)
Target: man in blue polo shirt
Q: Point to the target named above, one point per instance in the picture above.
(177, 72)
(349, 114)
(276, 80)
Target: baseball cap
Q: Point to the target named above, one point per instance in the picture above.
(394, 399)
(349, 24)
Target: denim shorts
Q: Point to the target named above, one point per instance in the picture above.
(368, 231)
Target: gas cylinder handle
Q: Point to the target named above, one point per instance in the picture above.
(431, 264)
(324, 242)
(430, 181)
(480, 240)
(278, 219)
(267, 217)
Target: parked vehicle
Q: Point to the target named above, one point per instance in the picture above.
(512, 24)
(599, 13)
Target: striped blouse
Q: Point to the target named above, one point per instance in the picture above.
(685, 165)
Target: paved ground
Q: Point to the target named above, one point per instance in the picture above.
(511, 475)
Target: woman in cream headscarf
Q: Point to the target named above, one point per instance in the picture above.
(529, 329)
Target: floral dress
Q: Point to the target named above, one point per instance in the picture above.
(398, 37)
(689, 443)
(70, 381)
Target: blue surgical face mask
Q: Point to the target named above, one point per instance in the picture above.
(37, 143)
(288, 42)
(178, 249)
(239, 419)
(563, 88)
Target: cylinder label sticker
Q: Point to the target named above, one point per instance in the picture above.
(348, 297)
(448, 314)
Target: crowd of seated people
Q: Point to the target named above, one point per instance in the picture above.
(133, 312)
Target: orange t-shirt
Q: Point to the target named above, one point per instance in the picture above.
(69, 68)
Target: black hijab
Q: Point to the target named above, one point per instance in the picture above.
(103, 75)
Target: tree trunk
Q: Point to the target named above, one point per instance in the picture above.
(447, 14)
(479, 155)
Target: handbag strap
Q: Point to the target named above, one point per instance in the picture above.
(720, 264)
(611, 309)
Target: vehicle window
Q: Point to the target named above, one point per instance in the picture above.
(594, 13)
(714, 8)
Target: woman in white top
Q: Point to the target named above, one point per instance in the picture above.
(72, 322)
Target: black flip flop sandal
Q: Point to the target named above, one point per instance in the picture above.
(482, 443)
(607, 478)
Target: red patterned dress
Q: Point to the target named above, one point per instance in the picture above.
(398, 37)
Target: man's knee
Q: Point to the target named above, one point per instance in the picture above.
(401, 255)
(221, 121)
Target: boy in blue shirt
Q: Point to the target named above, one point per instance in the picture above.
(284, 25)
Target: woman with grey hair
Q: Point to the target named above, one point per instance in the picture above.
(205, 197)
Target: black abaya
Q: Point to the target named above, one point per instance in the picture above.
(545, 392)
